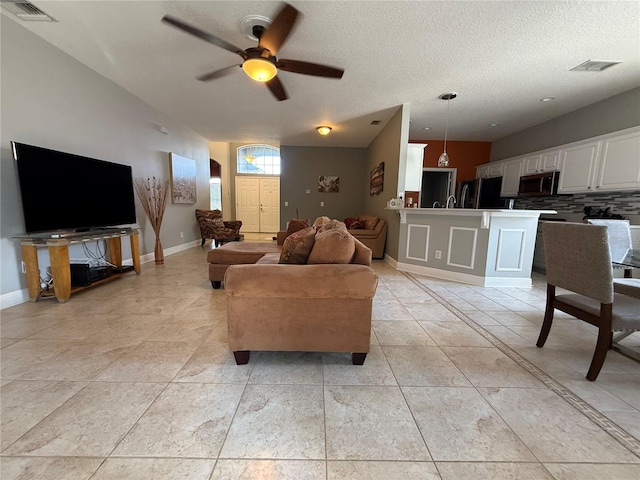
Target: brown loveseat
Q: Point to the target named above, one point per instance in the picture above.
(321, 307)
(372, 231)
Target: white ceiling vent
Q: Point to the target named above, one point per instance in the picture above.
(26, 11)
(593, 66)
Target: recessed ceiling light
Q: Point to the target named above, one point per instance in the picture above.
(427, 128)
(494, 124)
(547, 99)
(593, 66)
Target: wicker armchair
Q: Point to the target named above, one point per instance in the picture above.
(212, 226)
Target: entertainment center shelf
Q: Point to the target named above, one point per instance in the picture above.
(58, 249)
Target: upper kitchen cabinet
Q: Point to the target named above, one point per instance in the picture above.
(619, 165)
(610, 163)
(542, 162)
(511, 177)
(578, 167)
(493, 169)
(415, 159)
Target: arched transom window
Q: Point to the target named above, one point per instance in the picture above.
(259, 159)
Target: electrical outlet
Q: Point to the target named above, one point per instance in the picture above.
(438, 254)
(308, 191)
(24, 267)
(286, 204)
(322, 204)
(181, 234)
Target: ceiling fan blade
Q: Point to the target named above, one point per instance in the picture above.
(276, 34)
(307, 68)
(277, 88)
(207, 37)
(216, 73)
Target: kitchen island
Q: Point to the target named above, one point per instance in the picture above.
(490, 248)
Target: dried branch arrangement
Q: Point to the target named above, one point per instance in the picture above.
(152, 193)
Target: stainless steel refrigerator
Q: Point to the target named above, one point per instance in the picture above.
(480, 193)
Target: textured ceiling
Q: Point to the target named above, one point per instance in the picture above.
(500, 57)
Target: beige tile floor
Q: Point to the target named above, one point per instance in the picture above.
(134, 380)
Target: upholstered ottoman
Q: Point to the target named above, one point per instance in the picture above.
(235, 253)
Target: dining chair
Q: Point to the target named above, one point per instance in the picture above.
(619, 233)
(578, 260)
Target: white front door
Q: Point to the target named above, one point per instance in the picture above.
(270, 204)
(258, 203)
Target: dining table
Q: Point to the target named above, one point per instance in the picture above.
(626, 286)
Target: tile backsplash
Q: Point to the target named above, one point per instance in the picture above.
(623, 203)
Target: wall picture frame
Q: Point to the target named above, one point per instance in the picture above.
(376, 184)
(328, 184)
(183, 179)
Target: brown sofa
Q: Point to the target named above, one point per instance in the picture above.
(373, 235)
(311, 307)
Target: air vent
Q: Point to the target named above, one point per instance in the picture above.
(27, 11)
(375, 122)
(593, 66)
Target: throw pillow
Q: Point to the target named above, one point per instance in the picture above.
(321, 221)
(296, 225)
(369, 221)
(297, 246)
(332, 246)
(349, 220)
(331, 224)
(217, 222)
(356, 225)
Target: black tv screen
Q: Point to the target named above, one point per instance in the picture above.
(62, 191)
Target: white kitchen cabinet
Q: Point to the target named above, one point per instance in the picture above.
(610, 164)
(619, 163)
(578, 167)
(493, 169)
(415, 160)
(511, 177)
(541, 162)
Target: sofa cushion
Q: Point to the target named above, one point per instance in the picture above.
(349, 220)
(335, 245)
(360, 233)
(296, 225)
(369, 221)
(297, 246)
(356, 225)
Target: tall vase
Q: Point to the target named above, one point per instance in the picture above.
(158, 253)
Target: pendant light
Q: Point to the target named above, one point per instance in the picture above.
(443, 160)
(250, 157)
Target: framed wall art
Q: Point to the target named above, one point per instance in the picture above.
(376, 185)
(328, 184)
(183, 179)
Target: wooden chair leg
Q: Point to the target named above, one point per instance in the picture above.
(202, 243)
(548, 316)
(604, 342)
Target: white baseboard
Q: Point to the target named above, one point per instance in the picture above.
(21, 296)
(464, 277)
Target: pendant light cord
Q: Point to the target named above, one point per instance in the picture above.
(446, 126)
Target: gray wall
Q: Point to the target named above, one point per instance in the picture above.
(301, 167)
(51, 100)
(615, 113)
(390, 147)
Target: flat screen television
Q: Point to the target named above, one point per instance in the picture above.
(62, 191)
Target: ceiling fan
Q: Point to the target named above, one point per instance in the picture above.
(260, 63)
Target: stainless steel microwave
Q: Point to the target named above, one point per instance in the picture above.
(539, 185)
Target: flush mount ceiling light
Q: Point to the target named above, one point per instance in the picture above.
(323, 130)
(426, 128)
(494, 124)
(547, 99)
(443, 160)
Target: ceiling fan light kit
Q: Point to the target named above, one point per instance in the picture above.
(259, 69)
(260, 63)
(324, 130)
(443, 160)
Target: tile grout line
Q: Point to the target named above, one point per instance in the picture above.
(618, 433)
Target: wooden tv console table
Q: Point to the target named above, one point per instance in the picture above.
(58, 247)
